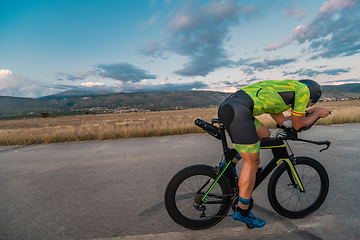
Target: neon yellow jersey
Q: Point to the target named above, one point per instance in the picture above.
(272, 96)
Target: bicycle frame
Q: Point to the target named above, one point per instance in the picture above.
(200, 196)
(280, 154)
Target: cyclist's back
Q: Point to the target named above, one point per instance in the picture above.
(274, 96)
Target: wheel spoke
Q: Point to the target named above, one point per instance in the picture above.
(188, 191)
(287, 199)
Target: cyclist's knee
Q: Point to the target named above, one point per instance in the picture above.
(251, 159)
(255, 164)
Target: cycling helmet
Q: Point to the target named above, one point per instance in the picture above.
(315, 90)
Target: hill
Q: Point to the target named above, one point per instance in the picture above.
(149, 100)
(341, 91)
(98, 101)
(139, 100)
(74, 93)
(18, 105)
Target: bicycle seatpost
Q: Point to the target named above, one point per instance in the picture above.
(223, 138)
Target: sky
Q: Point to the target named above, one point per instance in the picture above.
(47, 47)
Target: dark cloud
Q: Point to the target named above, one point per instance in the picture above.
(199, 32)
(232, 84)
(334, 31)
(153, 49)
(266, 65)
(248, 71)
(239, 84)
(312, 73)
(123, 72)
(253, 79)
(74, 77)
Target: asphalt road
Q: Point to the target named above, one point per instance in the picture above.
(115, 189)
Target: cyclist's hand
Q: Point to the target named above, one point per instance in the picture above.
(323, 112)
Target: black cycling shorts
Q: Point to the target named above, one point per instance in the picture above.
(236, 115)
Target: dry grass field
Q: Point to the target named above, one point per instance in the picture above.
(135, 125)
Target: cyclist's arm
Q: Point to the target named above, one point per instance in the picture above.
(279, 118)
(302, 121)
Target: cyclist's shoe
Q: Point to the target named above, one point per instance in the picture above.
(250, 219)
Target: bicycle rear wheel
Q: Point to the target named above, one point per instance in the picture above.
(286, 198)
(185, 191)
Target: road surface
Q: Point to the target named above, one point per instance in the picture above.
(114, 189)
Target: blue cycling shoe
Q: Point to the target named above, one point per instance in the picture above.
(249, 220)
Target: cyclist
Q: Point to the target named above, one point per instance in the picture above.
(237, 114)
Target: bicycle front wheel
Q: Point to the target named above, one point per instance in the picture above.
(284, 193)
(184, 194)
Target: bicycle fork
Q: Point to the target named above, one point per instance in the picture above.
(292, 173)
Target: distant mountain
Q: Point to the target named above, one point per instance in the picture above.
(79, 100)
(17, 105)
(139, 100)
(147, 100)
(350, 87)
(341, 91)
(75, 93)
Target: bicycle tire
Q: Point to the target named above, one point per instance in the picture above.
(181, 193)
(284, 197)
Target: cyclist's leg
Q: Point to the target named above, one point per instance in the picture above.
(248, 176)
(261, 130)
(251, 164)
(238, 121)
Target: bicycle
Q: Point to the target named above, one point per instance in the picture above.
(200, 196)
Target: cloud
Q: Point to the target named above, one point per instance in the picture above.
(291, 12)
(334, 31)
(12, 84)
(284, 42)
(231, 84)
(248, 71)
(74, 77)
(270, 64)
(91, 86)
(17, 85)
(199, 33)
(151, 22)
(123, 72)
(312, 73)
(253, 79)
(153, 49)
(332, 6)
(336, 82)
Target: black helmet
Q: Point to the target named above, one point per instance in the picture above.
(315, 90)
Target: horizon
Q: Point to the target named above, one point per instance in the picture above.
(166, 45)
(209, 90)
